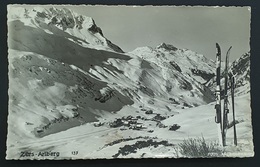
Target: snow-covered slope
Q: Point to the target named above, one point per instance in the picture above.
(48, 96)
(185, 61)
(240, 68)
(153, 140)
(64, 75)
(62, 23)
(56, 72)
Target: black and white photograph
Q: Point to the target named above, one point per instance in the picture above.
(114, 82)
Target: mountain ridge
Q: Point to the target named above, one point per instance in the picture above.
(82, 27)
(240, 69)
(92, 80)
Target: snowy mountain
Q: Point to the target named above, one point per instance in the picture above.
(62, 23)
(187, 62)
(66, 79)
(240, 68)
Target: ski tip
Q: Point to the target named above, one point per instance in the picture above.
(228, 52)
(218, 50)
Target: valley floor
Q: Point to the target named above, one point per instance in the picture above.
(153, 139)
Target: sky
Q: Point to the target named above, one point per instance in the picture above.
(194, 28)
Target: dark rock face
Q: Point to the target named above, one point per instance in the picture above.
(58, 17)
(114, 47)
(203, 74)
(186, 85)
(167, 47)
(175, 66)
(109, 93)
(95, 29)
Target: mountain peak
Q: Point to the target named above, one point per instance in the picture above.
(61, 21)
(166, 47)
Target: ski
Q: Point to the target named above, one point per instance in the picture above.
(218, 119)
(225, 110)
(233, 106)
